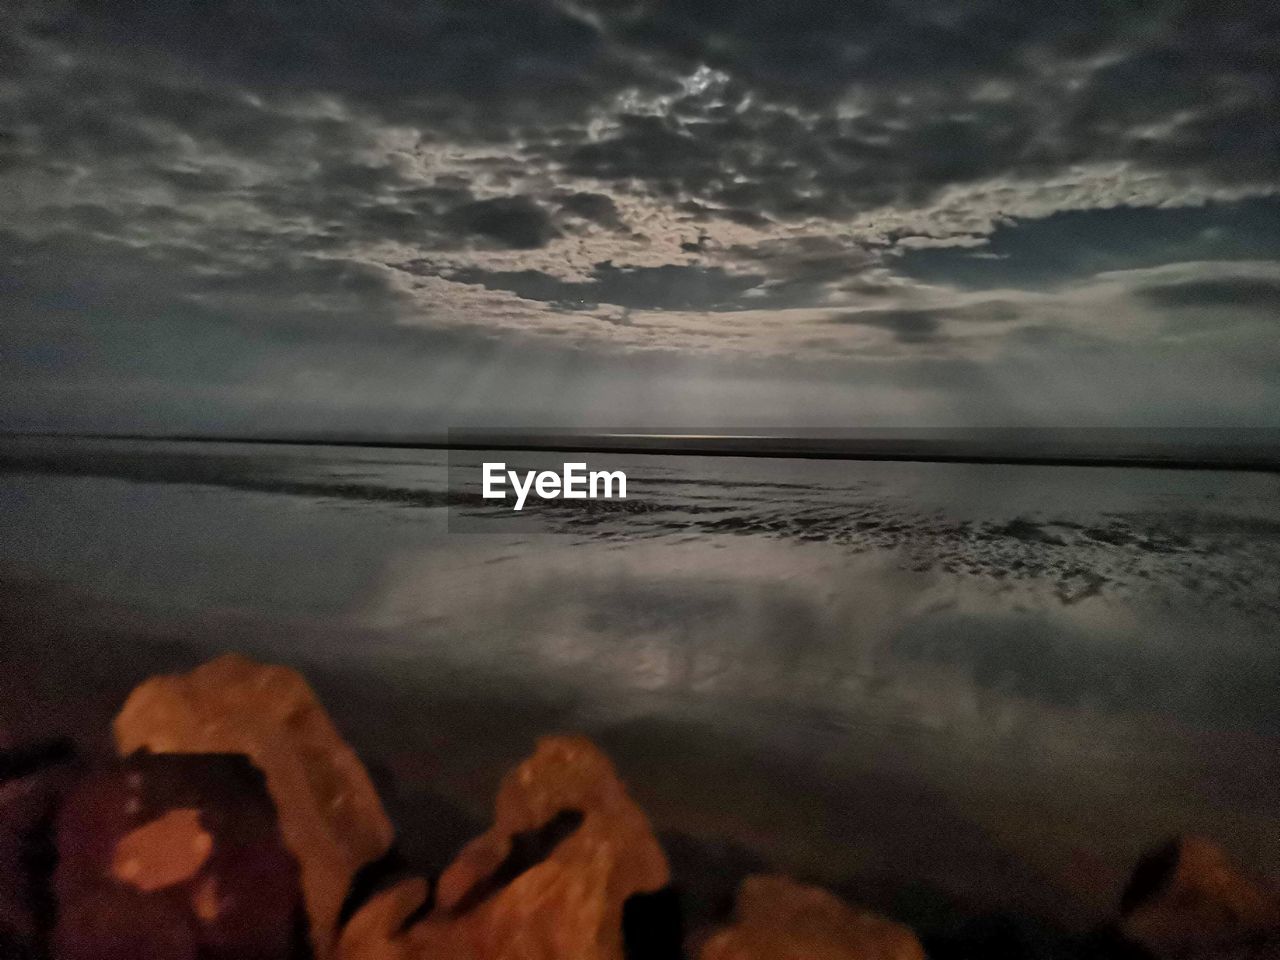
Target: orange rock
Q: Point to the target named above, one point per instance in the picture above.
(549, 879)
(1188, 899)
(376, 931)
(170, 849)
(779, 919)
(330, 816)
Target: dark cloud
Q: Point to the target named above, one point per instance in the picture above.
(515, 222)
(761, 160)
(355, 203)
(68, 280)
(218, 179)
(1245, 293)
(810, 262)
(944, 91)
(659, 150)
(701, 213)
(85, 105)
(925, 324)
(191, 181)
(669, 287)
(1215, 68)
(907, 326)
(362, 177)
(599, 208)
(812, 50)
(451, 61)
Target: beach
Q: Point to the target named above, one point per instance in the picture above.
(939, 689)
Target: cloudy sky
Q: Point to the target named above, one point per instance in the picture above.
(394, 216)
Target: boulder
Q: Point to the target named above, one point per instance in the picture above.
(33, 779)
(1187, 899)
(330, 815)
(173, 857)
(548, 881)
(377, 930)
(23, 805)
(779, 919)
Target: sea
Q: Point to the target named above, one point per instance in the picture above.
(988, 683)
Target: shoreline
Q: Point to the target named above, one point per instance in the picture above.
(1017, 447)
(437, 752)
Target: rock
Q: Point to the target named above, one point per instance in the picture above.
(170, 849)
(653, 926)
(22, 807)
(32, 781)
(329, 813)
(1187, 899)
(566, 776)
(779, 919)
(548, 881)
(377, 930)
(173, 857)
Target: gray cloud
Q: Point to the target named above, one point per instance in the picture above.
(669, 287)
(907, 326)
(515, 222)
(410, 62)
(599, 208)
(925, 324)
(242, 193)
(1245, 293)
(826, 108)
(938, 93)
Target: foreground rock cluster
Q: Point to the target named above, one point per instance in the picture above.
(236, 824)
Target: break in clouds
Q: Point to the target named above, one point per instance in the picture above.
(396, 216)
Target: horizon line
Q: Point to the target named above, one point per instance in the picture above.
(1220, 456)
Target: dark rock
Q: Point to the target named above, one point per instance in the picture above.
(371, 879)
(169, 857)
(653, 926)
(1187, 899)
(32, 781)
(23, 760)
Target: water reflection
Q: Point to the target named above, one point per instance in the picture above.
(966, 675)
(762, 616)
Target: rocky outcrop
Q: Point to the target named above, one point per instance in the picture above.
(240, 825)
(378, 931)
(175, 856)
(548, 881)
(23, 805)
(32, 782)
(779, 919)
(330, 816)
(1187, 899)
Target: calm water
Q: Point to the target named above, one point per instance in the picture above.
(982, 678)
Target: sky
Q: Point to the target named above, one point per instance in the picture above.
(392, 217)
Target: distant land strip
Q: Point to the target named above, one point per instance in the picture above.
(1030, 450)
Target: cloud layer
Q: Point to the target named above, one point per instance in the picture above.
(709, 211)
